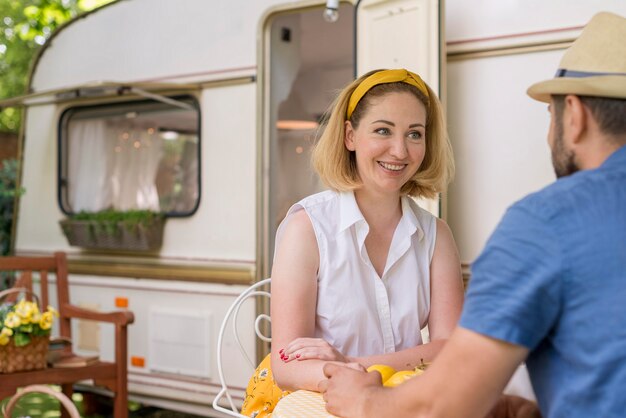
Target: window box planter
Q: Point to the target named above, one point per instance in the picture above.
(115, 231)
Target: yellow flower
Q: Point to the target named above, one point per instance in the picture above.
(35, 317)
(25, 310)
(46, 320)
(5, 335)
(53, 311)
(12, 320)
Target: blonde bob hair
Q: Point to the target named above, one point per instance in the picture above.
(336, 165)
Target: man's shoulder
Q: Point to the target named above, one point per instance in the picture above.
(564, 195)
(546, 202)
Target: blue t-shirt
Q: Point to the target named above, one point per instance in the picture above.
(552, 278)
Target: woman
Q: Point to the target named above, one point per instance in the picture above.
(360, 269)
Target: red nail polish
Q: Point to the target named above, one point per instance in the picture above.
(281, 350)
(297, 355)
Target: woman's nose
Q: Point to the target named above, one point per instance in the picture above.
(398, 148)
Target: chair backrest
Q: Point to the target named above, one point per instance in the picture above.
(231, 316)
(43, 266)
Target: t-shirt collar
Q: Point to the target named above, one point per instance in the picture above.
(618, 158)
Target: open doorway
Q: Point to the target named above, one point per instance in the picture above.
(310, 60)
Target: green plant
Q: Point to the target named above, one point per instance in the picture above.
(107, 220)
(8, 192)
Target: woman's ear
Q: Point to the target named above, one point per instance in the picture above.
(349, 136)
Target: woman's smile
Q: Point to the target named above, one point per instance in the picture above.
(392, 167)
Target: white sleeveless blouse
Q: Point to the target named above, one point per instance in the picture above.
(358, 312)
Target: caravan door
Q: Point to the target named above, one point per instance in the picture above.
(402, 34)
(307, 59)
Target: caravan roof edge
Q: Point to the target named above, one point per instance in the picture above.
(93, 90)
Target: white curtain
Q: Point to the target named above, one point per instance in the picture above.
(89, 166)
(112, 166)
(134, 170)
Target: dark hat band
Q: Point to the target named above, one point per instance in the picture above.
(562, 72)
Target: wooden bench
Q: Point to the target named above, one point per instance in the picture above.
(111, 375)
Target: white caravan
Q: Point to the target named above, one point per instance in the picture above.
(206, 110)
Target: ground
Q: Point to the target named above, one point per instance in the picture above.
(43, 406)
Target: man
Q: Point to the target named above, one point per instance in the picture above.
(550, 286)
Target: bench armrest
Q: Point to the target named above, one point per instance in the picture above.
(117, 317)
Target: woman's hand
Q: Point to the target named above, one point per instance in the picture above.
(311, 348)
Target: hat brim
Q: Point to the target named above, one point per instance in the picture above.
(610, 86)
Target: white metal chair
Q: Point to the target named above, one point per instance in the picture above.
(231, 316)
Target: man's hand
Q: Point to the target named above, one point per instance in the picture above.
(510, 406)
(346, 390)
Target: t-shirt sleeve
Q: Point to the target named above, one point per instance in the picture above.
(515, 289)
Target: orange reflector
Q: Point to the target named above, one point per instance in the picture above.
(121, 302)
(137, 361)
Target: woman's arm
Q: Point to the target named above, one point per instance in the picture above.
(446, 285)
(293, 302)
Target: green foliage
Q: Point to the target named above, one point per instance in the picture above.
(8, 178)
(8, 192)
(25, 25)
(109, 220)
(131, 217)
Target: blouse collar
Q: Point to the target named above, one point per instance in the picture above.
(350, 214)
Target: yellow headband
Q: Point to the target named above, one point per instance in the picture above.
(384, 77)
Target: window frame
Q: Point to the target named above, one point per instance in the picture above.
(62, 148)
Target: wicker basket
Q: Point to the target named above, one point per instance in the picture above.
(31, 356)
(114, 236)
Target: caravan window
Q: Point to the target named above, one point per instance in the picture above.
(135, 155)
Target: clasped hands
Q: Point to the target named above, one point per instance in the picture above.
(349, 391)
(345, 378)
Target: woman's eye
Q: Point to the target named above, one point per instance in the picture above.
(415, 135)
(382, 131)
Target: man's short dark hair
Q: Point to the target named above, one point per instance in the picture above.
(609, 113)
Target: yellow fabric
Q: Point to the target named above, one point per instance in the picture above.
(262, 393)
(384, 77)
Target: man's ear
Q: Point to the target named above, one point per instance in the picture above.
(349, 136)
(575, 122)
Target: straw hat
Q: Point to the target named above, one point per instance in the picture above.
(595, 64)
